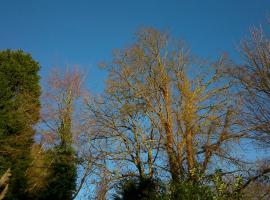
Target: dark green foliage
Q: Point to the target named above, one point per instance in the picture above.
(189, 190)
(19, 111)
(62, 180)
(19, 80)
(139, 189)
(149, 189)
(57, 177)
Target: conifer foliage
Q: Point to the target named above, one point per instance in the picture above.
(19, 112)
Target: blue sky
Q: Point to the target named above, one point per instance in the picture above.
(85, 32)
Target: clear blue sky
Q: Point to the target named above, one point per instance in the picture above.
(84, 32)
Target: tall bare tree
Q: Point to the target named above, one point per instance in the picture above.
(159, 100)
(62, 99)
(253, 77)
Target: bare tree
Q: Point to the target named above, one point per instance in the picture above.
(158, 100)
(123, 136)
(59, 103)
(253, 77)
(62, 130)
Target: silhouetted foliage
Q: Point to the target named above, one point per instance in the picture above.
(139, 189)
(61, 184)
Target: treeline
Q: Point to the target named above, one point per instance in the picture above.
(168, 126)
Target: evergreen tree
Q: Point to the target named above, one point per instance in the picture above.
(19, 112)
(62, 180)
